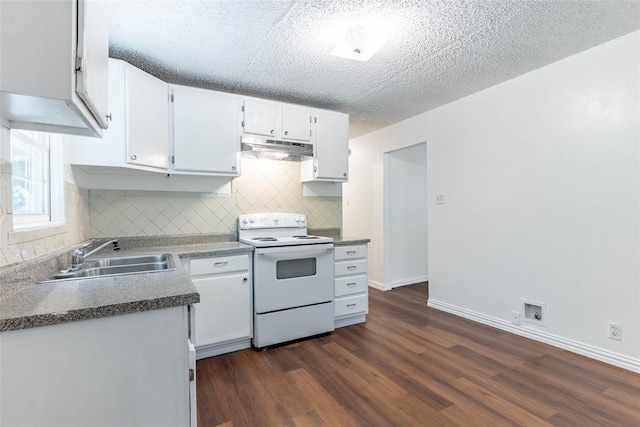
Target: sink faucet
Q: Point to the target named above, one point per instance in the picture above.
(79, 256)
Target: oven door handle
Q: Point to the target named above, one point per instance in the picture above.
(296, 250)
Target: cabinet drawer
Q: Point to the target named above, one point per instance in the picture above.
(349, 252)
(350, 285)
(357, 266)
(201, 266)
(347, 306)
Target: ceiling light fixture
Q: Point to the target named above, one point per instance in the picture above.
(359, 44)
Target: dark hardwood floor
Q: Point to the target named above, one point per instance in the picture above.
(411, 365)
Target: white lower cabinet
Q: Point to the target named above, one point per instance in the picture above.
(127, 370)
(350, 284)
(223, 317)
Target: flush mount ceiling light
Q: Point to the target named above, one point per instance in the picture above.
(359, 44)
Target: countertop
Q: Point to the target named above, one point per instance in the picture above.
(27, 304)
(346, 241)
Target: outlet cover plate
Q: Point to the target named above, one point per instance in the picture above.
(615, 331)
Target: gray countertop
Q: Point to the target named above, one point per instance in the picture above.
(346, 241)
(28, 304)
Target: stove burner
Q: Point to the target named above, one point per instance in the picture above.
(265, 239)
(305, 237)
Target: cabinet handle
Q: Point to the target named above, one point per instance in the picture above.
(271, 131)
(134, 157)
(351, 252)
(286, 132)
(315, 169)
(233, 168)
(344, 174)
(220, 264)
(192, 375)
(351, 267)
(351, 306)
(109, 117)
(351, 285)
(245, 280)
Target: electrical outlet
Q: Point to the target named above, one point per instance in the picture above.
(515, 317)
(615, 331)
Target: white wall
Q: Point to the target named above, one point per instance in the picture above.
(406, 216)
(16, 247)
(542, 187)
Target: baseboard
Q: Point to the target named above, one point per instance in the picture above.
(397, 283)
(222, 348)
(339, 323)
(406, 282)
(606, 356)
(378, 285)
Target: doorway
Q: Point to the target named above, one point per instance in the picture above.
(405, 201)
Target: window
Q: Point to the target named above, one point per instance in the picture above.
(31, 178)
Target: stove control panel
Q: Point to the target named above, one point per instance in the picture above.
(272, 220)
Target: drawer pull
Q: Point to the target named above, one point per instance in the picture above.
(351, 305)
(220, 264)
(351, 252)
(351, 267)
(351, 285)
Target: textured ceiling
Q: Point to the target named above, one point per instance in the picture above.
(438, 50)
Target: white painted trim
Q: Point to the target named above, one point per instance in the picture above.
(222, 348)
(606, 356)
(339, 323)
(378, 285)
(410, 281)
(397, 283)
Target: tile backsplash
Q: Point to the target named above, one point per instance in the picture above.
(265, 185)
(25, 245)
(16, 247)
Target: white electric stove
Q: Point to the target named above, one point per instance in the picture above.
(292, 277)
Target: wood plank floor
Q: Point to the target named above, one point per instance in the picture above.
(411, 365)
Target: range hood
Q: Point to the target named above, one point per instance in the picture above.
(272, 149)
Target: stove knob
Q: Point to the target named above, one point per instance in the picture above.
(296, 219)
(301, 219)
(244, 220)
(276, 220)
(252, 220)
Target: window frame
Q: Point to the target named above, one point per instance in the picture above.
(53, 188)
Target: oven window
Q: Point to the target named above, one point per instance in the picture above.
(291, 268)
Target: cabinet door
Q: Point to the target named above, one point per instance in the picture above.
(111, 149)
(296, 123)
(206, 135)
(332, 146)
(93, 49)
(147, 119)
(127, 370)
(260, 118)
(224, 312)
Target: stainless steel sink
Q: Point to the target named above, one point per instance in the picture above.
(132, 260)
(118, 266)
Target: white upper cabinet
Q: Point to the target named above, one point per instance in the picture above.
(138, 136)
(147, 109)
(277, 121)
(260, 118)
(205, 131)
(45, 85)
(92, 61)
(296, 123)
(331, 149)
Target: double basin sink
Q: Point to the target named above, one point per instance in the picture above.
(117, 266)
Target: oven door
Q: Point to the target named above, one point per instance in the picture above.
(292, 276)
